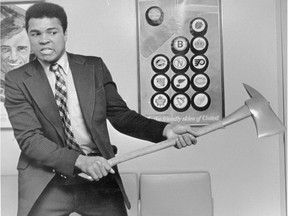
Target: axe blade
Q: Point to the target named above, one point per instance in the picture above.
(266, 121)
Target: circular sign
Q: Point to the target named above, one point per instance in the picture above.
(160, 82)
(160, 101)
(199, 63)
(200, 101)
(180, 83)
(180, 45)
(154, 16)
(179, 64)
(200, 82)
(198, 26)
(180, 102)
(199, 45)
(160, 63)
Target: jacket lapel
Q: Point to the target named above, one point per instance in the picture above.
(84, 81)
(41, 92)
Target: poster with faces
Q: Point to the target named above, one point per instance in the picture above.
(180, 61)
(15, 45)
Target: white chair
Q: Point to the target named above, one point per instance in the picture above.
(175, 194)
(131, 185)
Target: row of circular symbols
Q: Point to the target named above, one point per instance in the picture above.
(155, 17)
(180, 45)
(199, 44)
(180, 82)
(179, 63)
(180, 102)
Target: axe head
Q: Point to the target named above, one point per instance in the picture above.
(266, 121)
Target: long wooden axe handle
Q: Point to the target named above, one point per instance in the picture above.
(238, 115)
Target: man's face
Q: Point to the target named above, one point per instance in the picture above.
(15, 51)
(47, 38)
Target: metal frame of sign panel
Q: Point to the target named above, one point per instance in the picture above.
(180, 61)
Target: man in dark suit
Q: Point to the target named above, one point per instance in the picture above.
(58, 105)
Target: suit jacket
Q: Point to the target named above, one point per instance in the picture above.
(38, 129)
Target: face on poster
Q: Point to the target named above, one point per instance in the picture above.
(180, 61)
(15, 45)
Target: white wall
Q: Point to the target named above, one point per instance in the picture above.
(245, 171)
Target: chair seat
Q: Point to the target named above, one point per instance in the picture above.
(181, 194)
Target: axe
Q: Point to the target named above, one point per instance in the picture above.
(266, 121)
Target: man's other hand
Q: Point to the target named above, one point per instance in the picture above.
(183, 133)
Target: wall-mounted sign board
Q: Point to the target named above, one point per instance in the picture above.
(180, 60)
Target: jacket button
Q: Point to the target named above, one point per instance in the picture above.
(54, 170)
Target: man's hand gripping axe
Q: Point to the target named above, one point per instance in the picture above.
(266, 122)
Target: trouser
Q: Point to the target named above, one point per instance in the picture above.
(102, 198)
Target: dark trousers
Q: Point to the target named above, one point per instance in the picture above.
(102, 198)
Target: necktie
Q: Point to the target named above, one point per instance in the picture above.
(61, 100)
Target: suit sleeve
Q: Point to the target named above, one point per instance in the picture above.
(29, 133)
(125, 120)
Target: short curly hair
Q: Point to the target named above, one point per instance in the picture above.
(49, 10)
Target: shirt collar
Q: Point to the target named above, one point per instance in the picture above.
(63, 62)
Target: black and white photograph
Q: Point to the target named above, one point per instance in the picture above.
(143, 108)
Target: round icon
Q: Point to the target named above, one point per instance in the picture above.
(154, 16)
(160, 82)
(160, 63)
(160, 101)
(199, 63)
(180, 102)
(198, 26)
(180, 45)
(200, 82)
(179, 64)
(200, 101)
(199, 45)
(180, 83)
